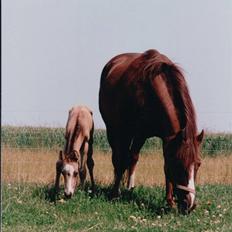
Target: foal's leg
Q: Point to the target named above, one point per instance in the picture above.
(134, 156)
(57, 182)
(58, 173)
(84, 155)
(90, 164)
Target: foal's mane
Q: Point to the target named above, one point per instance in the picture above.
(158, 64)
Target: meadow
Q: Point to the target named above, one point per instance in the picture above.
(28, 203)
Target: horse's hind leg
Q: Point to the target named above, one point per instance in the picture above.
(119, 168)
(120, 157)
(134, 156)
(84, 155)
(90, 164)
(120, 160)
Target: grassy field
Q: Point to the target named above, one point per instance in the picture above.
(29, 208)
(28, 203)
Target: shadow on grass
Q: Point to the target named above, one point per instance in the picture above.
(146, 199)
(149, 199)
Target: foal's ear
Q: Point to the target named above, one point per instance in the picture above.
(75, 155)
(61, 156)
(200, 137)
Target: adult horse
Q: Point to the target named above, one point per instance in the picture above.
(143, 95)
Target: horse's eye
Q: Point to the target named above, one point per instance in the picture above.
(75, 174)
(68, 174)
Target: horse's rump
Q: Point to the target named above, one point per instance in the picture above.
(146, 92)
(79, 128)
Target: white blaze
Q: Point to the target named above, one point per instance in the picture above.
(191, 184)
(68, 179)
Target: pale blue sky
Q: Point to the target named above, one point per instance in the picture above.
(53, 52)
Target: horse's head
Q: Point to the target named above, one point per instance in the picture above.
(182, 162)
(68, 166)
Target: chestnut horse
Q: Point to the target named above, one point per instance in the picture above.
(78, 150)
(144, 95)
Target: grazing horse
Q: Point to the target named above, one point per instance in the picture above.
(78, 150)
(144, 95)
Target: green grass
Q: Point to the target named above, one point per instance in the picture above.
(53, 138)
(31, 208)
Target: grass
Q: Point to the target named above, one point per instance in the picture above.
(28, 202)
(53, 138)
(30, 208)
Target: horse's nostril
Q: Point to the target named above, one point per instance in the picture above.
(68, 196)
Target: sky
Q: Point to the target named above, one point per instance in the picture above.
(53, 52)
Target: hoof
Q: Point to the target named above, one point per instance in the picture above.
(131, 189)
(171, 203)
(114, 195)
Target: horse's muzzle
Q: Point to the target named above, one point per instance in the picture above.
(185, 203)
(68, 196)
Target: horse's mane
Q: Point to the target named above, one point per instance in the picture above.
(158, 64)
(188, 148)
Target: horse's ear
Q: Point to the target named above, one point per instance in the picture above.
(200, 137)
(75, 155)
(61, 155)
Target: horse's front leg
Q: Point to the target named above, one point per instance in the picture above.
(134, 156)
(58, 173)
(169, 188)
(169, 193)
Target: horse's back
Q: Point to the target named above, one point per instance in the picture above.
(115, 68)
(128, 64)
(81, 117)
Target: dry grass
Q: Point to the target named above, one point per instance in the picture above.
(38, 166)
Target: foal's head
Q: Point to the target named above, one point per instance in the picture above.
(68, 166)
(183, 160)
